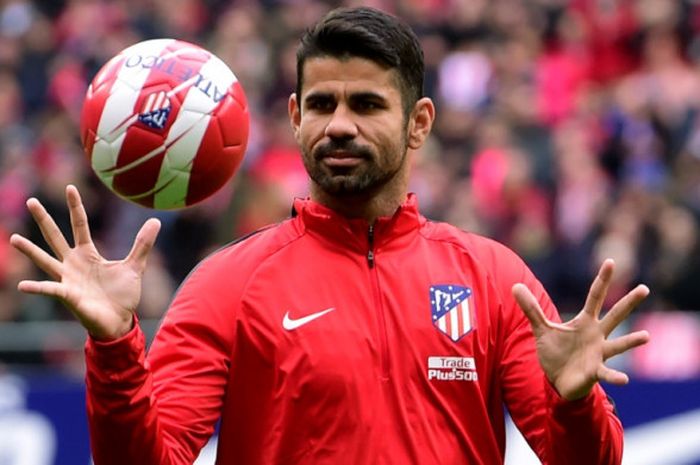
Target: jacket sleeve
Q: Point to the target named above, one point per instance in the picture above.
(162, 409)
(585, 431)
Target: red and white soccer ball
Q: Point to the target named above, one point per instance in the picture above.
(165, 124)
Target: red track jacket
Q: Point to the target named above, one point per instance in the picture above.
(323, 341)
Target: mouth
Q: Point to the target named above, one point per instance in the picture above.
(342, 159)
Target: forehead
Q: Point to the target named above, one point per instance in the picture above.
(333, 75)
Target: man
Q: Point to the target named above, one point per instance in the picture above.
(356, 332)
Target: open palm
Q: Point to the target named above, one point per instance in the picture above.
(573, 354)
(102, 294)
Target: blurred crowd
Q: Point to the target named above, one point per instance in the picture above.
(567, 129)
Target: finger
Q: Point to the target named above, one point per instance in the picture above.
(531, 308)
(611, 376)
(622, 309)
(78, 217)
(624, 343)
(47, 288)
(38, 255)
(145, 239)
(48, 227)
(599, 288)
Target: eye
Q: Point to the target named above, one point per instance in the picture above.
(367, 103)
(321, 104)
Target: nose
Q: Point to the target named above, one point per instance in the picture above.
(341, 124)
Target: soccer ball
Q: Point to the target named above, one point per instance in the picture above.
(165, 124)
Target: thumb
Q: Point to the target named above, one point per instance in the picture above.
(528, 303)
(143, 243)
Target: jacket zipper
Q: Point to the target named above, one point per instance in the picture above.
(384, 344)
(370, 251)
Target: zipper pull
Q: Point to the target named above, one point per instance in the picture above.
(370, 252)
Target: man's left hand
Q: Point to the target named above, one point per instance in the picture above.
(573, 354)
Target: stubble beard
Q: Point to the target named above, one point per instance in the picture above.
(362, 180)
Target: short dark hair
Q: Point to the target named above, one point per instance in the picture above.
(372, 34)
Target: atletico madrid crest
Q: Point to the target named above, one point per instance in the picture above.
(156, 110)
(451, 309)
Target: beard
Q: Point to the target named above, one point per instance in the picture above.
(365, 178)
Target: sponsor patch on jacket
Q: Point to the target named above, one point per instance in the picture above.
(451, 369)
(451, 310)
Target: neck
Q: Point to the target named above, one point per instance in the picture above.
(369, 206)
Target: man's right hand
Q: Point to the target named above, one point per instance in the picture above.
(102, 294)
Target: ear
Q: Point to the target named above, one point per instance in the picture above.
(294, 114)
(421, 122)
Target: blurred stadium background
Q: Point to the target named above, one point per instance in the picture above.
(570, 130)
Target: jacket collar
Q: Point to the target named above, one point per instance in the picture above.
(319, 219)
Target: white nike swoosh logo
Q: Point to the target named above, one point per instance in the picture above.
(290, 324)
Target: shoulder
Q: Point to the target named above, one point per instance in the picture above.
(499, 264)
(484, 250)
(214, 287)
(249, 251)
(495, 262)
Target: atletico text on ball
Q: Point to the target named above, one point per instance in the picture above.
(165, 124)
(178, 70)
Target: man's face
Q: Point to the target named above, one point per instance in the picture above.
(350, 125)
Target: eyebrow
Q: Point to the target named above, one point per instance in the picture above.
(365, 95)
(369, 95)
(316, 96)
